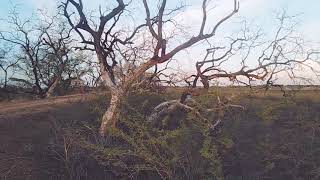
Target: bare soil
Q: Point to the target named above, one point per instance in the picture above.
(25, 133)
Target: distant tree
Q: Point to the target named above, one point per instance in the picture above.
(27, 40)
(60, 54)
(8, 65)
(44, 48)
(259, 60)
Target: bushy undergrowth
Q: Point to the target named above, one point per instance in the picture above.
(136, 150)
(273, 138)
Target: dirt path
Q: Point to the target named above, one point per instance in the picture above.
(26, 130)
(41, 105)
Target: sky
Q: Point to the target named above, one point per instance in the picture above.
(259, 12)
(309, 9)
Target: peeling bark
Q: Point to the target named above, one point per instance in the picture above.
(118, 93)
(112, 115)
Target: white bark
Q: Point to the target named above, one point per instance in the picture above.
(118, 93)
(112, 114)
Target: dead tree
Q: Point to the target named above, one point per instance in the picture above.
(7, 65)
(44, 49)
(58, 44)
(284, 53)
(103, 42)
(22, 36)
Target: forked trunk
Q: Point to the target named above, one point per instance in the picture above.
(112, 114)
(118, 94)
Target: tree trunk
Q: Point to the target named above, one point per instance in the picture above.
(118, 94)
(205, 82)
(112, 114)
(35, 74)
(52, 89)
(5, 79)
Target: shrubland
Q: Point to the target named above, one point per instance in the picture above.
(273, 137)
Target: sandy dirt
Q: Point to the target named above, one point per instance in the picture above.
(41, 105)
(26, 130)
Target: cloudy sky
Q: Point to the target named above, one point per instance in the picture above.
(258, 9)
(259, 12)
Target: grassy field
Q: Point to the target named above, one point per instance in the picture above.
(274, 137)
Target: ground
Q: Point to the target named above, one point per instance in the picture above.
(25, 132)
(274, 138)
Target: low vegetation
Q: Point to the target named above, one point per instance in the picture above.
(274, 137)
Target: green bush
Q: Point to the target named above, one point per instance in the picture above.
(136, 149)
